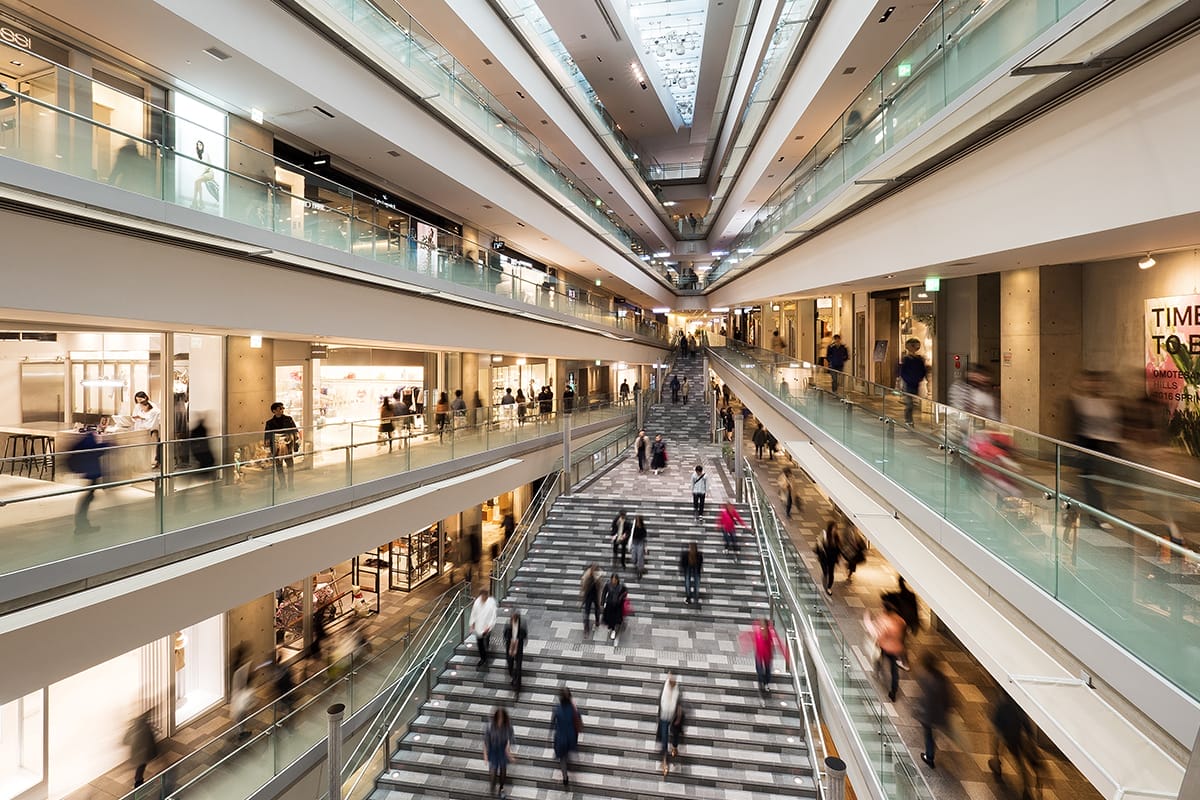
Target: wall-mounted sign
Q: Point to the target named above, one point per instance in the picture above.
(824, 302)
(19, 38)
(1173, 350)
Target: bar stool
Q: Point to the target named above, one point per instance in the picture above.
(26, 455)
(11, 445)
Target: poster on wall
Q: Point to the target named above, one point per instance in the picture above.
(1173, 351)
(200, 155)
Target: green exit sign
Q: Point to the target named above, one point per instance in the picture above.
(933, 284)
(904, 69)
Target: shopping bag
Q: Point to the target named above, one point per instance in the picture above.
(627, 607)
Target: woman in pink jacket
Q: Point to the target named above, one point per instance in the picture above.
(764, 640)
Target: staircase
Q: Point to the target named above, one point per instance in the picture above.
(736, 744)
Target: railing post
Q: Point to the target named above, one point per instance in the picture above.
(738, 425)
(566, 472)
(835, 773)
(334, 759)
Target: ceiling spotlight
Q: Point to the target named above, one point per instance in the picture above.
(1147, 262)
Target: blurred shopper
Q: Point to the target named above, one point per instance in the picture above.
(85, 460)
(699, 490)
(729, 520)
(658, 454)
(905, 603)
(522, 407)
(497, 750)
(887, 628)
(1014, 733)
(727, 421)
(725, 393)
(828, 550)
(933, 706)
(568, 399)
(623, 392)
(913, 370)
(621, 529)
(387, 423)
(691, 566)
(514, 649)
(508, 408)
(143, 746)
(760, 440)
(669, 705)
(854, 550)
(787, 492)
(483, 619)
(1096, 426)
(777, 343)
(638, 538)
(685, 389)
(441, 414)
(458, 407)
(763, 641)
(590, 587)
(675, 387)
(566, 723)
(200, 447)
(972, 393)
(614, 601)
(640, 446)
(836, 356)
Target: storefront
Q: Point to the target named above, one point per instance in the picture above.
(59, 738)
(527, 375)
(896, 316)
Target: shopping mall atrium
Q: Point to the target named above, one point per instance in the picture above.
(855, 343)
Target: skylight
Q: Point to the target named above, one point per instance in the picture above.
(672, 34)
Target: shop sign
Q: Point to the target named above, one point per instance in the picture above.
(824, 302)
(10, 36)
(1173, 350)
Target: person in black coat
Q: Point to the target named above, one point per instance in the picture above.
(828, 552)
(933, 709)
(514, 649)
(613, 602)
(565, 724)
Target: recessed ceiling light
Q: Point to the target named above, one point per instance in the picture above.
(15, 63)
(217, 53)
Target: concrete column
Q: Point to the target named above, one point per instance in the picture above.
(1041, 344)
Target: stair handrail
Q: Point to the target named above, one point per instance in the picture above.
(771, 570)
(784, 559)
(513, 554)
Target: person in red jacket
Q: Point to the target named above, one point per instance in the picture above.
(729, 521)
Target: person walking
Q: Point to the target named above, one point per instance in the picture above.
(1014, 731)
(658, 454)
(933, 707)
(638, 538)
(568, 399)
(675, 387)
(854, 550)
(613, 602)
(684, 388)
(590, 586)
(699, 490)
(497, 750)
(522, 407)
(669, 704)
(787, 491)
(725, 393)
(85, 460)
(640, 445)
(441, 414)
(387, 423)
(691, 565)
(727, 421)
(282, 438)
(763, 642)
(483, 619)
(888, 629)
(621, 529)
(913, 370)
(514, 649)
(729, 521)
(836, 356)
(143, 746)
(566, 723)
(906, 606)
(828, 550)
(458, 408)
(760, 440)
(623, 392)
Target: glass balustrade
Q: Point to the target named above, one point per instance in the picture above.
(957, 45)
(273, 195)
(1110, 539)
(799, 609)
(111, 496)
(251, 752)
(398, 41)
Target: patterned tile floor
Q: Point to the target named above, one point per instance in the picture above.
(963, 754)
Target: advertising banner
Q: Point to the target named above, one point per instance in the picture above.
(1173, 350)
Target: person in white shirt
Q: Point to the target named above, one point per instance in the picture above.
(146, 418)
(483, 619)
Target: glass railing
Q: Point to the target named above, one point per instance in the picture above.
(812, 633)
(958, 44)
(67, 504)
(506, 565)
(402, 46)
(271, 194)
(681, 171)
(250, 753)
(1110, 539)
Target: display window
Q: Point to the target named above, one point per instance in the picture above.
(22, 727)
(201, 151)
(415, 558)
(198, 666)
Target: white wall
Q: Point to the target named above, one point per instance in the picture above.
(1118, 160)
